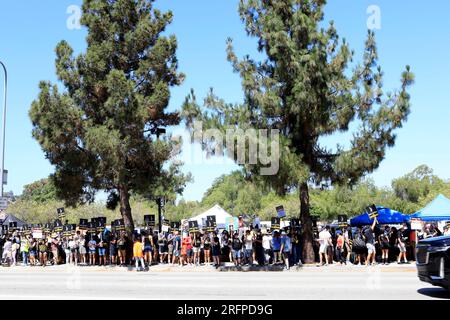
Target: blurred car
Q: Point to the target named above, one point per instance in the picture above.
(433, 261)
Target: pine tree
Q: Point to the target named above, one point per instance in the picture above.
(99, 133)
(304, 87)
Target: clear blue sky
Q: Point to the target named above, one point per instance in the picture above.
(412, 32)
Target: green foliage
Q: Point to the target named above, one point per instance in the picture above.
(99, 131)
(417, 184)
(304, 87)
(39, 191)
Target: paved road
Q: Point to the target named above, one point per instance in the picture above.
(309, 283)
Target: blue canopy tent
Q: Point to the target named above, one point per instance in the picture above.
(436, 210)
(387, 216)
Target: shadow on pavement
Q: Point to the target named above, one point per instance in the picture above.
(438, 293)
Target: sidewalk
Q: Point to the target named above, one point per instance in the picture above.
(226, 267)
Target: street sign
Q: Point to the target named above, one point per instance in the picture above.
(4, 203)
(5, 177)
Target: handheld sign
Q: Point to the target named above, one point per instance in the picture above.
(120, 225)
(372, 211)
(213, 219)
(58, 226)
(61, 213)
(210, 226)
(83, 224)
(48, 228)
(150, 220)
(175, 225)
(280, 211)
(66, 231)
(275, 224)
(100, 226)
(295, 223)
(4, 228)
(91, 227)
(193, 226)
(342, 220)
(13, 225)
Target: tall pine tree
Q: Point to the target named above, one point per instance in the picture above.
(100, 132)
(304, 87)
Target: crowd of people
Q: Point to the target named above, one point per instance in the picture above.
(247, 246)
(371, 245)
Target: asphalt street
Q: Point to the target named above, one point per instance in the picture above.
(207, 284)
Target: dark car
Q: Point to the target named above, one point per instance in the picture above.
(433, 261)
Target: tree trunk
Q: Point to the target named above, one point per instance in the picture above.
(125, 210)
(305, 218)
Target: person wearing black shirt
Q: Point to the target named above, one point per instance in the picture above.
(236, 245)
(369, 236)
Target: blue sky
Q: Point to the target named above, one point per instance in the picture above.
(412, 32)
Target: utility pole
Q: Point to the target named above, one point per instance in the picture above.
(4, 128)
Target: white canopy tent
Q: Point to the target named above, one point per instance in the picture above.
(218, 211)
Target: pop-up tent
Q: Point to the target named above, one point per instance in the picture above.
(436, 210)
(386, 216)
(221, 216)
(11, 218)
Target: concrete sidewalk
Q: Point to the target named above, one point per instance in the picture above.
(226, 267)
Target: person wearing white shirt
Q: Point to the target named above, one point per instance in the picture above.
(324, 241)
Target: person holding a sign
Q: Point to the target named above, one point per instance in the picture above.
(216, 251)
(33, 251)
(207, 248)
(236, 245)
(369, 235)
(43, 253)
(148, 249)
